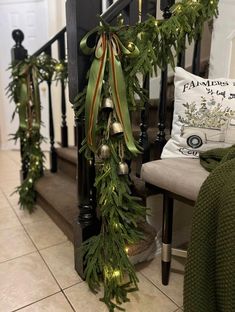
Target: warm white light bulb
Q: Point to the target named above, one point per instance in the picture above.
(116, 273)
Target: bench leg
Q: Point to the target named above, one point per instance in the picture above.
(166, 237)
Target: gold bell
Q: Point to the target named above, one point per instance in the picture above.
(107, 104)
(116, 128)
(104, 151)
(131, 46)
(123, 168)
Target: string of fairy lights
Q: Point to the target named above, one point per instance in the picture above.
(123, 53)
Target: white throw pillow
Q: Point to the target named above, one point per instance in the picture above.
(204, 115)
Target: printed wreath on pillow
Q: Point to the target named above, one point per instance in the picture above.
(204, 115)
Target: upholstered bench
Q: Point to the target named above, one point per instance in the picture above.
(180, 176)
(175, 178)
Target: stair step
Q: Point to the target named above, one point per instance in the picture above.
(57, 195)
(67, 161)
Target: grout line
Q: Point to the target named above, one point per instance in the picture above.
(28, 305)
(35, 245)
(69, 301)
(50, 270)
(73, 285)
(172, 300)
(27, 254)
(54, 245)
(61, 290)
(38, 250)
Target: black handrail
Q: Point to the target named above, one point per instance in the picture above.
(50, 42)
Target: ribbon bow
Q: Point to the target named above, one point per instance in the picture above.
(108, 49)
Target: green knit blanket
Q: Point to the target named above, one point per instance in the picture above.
(209, 284)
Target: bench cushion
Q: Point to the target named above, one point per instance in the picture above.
(183, 177)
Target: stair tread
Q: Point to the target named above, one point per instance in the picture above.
(68, 153)
(60, 192)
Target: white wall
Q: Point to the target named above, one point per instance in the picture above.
(49, 18)
(57, 20)
(56, 16)
(29, 16)
(222, 52)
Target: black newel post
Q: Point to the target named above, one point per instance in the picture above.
(64, 128)
(79, 24)
(53, 155)
(19, 53)
(161, 136)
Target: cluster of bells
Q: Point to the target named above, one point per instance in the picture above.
(116, 129)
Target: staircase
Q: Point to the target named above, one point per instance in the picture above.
(66, 191)
(56, 192)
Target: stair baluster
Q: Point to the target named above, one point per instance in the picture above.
(75, 132)
(133, 12)
(180, 63)
(19, 53)
(196, 57)
(64, 127)
(53, 155)
(181, 59)
(161, 136)
(144, 140)
(148, 7)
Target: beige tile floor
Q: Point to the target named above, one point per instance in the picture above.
(36, 263)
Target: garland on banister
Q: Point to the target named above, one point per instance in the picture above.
(24, 91)
(120, 56)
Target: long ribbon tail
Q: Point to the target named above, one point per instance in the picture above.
(23, 100)
(93, 96)
(118, 87)
(36, 95)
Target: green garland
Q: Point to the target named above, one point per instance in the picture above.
(24, 91)
(159, 43)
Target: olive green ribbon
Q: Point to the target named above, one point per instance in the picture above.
(26, 93)
(109, 48)
(118, 87)
(36, 99)
(94, 88)
(22, 102)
